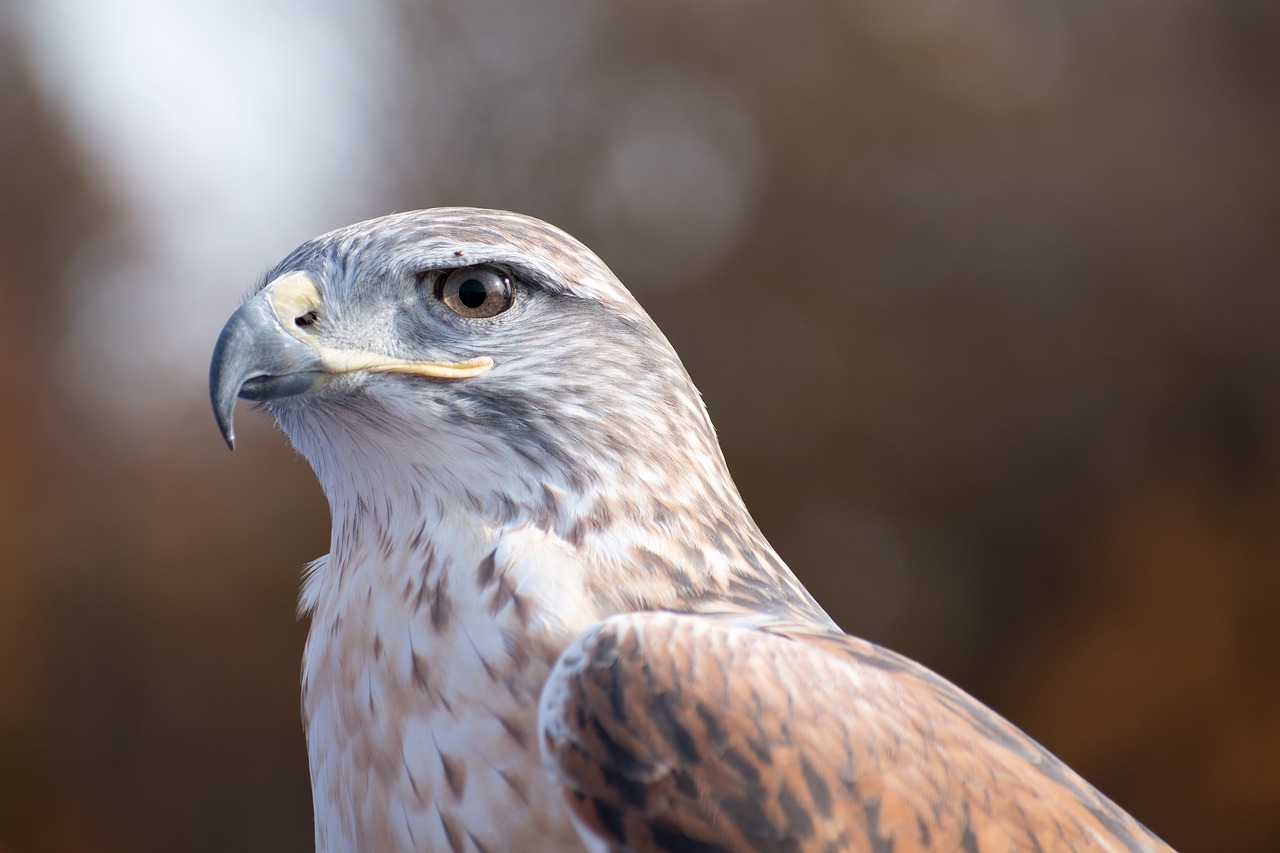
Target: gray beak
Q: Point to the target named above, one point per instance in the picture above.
(257, 358)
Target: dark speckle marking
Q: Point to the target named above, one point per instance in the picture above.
(818, 790)
(617, 693)
(455, 774)
(441, 609)
(879, 843)
(606, 647)
(413, 783)
(745, 813)
(746, 769)
(516, 786)
(451, 832)
(502, 593)
(926, 838)
(488, 568)
(668, 725)
(622, 769)
(513, 729)
(669, 839)
(610, 819)
(686, 785)
(419, 671)
(968, 841)
(799, 823)
(715, 734)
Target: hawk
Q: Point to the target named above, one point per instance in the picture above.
(547, 620)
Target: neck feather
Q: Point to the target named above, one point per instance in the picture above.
(663, 528)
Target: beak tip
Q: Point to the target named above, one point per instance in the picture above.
(223, 415)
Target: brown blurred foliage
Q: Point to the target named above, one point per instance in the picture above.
(983, 301)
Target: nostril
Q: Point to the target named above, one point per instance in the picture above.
(307, 319)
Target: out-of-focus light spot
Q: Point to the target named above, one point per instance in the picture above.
(681, 169)
(227, 142)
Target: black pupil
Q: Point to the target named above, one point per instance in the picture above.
(472, 293)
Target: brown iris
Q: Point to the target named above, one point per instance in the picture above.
(475, 292)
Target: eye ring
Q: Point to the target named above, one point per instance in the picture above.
(475, 292)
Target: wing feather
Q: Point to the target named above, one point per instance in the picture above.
(697, 733)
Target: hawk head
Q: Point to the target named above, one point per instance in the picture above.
(475, 356)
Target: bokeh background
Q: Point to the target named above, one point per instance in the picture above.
(982, 296)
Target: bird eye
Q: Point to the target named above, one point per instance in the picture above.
(475, 291)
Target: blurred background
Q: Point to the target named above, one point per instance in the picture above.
(983, 299)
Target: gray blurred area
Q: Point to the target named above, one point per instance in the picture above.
(984, 299)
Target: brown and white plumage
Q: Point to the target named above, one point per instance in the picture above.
(547, 620)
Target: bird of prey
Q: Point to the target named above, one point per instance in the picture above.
(547, 620)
